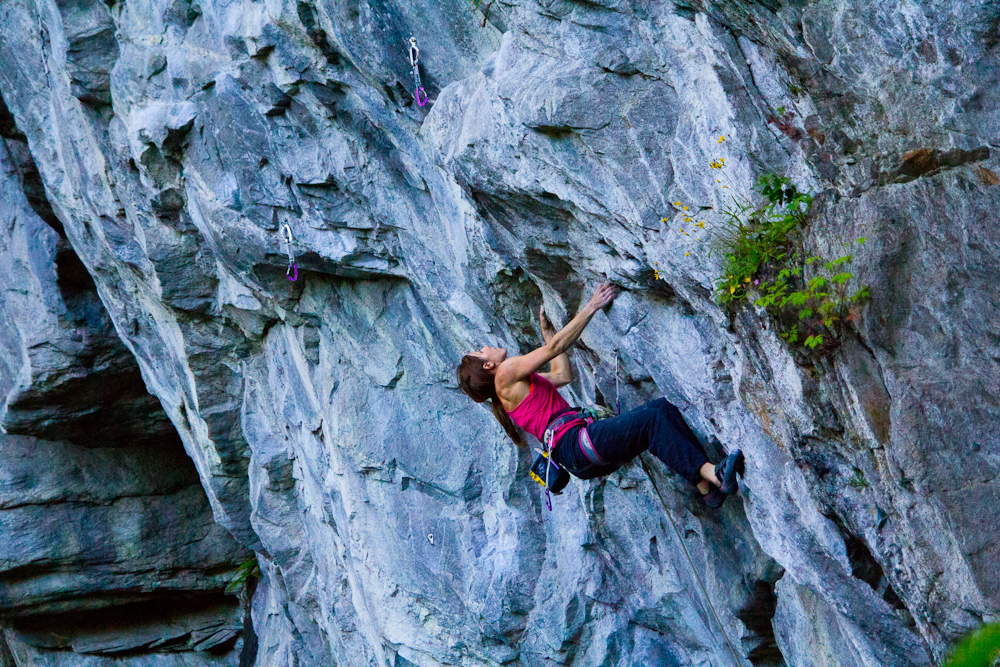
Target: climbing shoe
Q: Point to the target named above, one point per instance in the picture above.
(726, 472)
(714, 498)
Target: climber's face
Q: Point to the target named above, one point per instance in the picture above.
(492, 356)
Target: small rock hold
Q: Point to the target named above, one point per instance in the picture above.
(919, 162)
(927, 161)
(987, 176)
(157, 65)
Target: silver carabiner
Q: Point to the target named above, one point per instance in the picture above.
(292, 273)
(289, 240)
(414, 52)
(419, 94)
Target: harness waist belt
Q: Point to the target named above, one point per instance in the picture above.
(571, 418)
(575, 417)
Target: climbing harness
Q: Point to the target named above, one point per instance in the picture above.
(418, 88)
(540, 470)
(292, 273)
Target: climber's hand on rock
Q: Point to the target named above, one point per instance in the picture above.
(604, 295)
(547, 329)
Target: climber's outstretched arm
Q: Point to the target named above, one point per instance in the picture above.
(518, 369)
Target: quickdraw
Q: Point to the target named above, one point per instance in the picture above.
(292, 272)
(618, 395)
(418, 88)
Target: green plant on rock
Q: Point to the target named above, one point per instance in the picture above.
(813, 309)
(812, 304)
(248, 570)
(858, 481)
(753, 237)
(980, 649)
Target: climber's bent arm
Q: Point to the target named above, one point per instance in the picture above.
(562, 371)
(517, 369)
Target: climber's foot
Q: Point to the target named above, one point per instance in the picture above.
(714, 498)
(726, 472)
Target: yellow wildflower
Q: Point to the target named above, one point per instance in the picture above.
(746, 280)
(721, 139)
(702, 224)
(677, 203)
(663, 220)
(685, 208)
(686, 254)
(722, 160)
(732, 288)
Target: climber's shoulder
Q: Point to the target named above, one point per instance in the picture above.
(520, 368)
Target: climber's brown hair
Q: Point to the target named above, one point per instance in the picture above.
(477, 383)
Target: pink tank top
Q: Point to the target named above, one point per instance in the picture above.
(535, 412)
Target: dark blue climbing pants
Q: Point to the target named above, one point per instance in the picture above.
(657, 426)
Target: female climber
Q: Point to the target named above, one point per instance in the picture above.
(522, 395)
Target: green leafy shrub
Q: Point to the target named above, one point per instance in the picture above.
(753, 237)
(811, 299)
(813, 309)
(980, 649)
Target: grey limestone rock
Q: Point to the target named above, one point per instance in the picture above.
(108, 546)
(155, 149)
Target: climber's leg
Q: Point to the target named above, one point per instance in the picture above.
(656, 426)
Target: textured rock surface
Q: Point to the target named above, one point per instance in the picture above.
(164, 143)
(109, 546)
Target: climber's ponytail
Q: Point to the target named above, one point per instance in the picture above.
(508, 424)
(477, 383)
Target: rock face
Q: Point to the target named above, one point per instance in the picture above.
(153, 152)
(110, 554)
